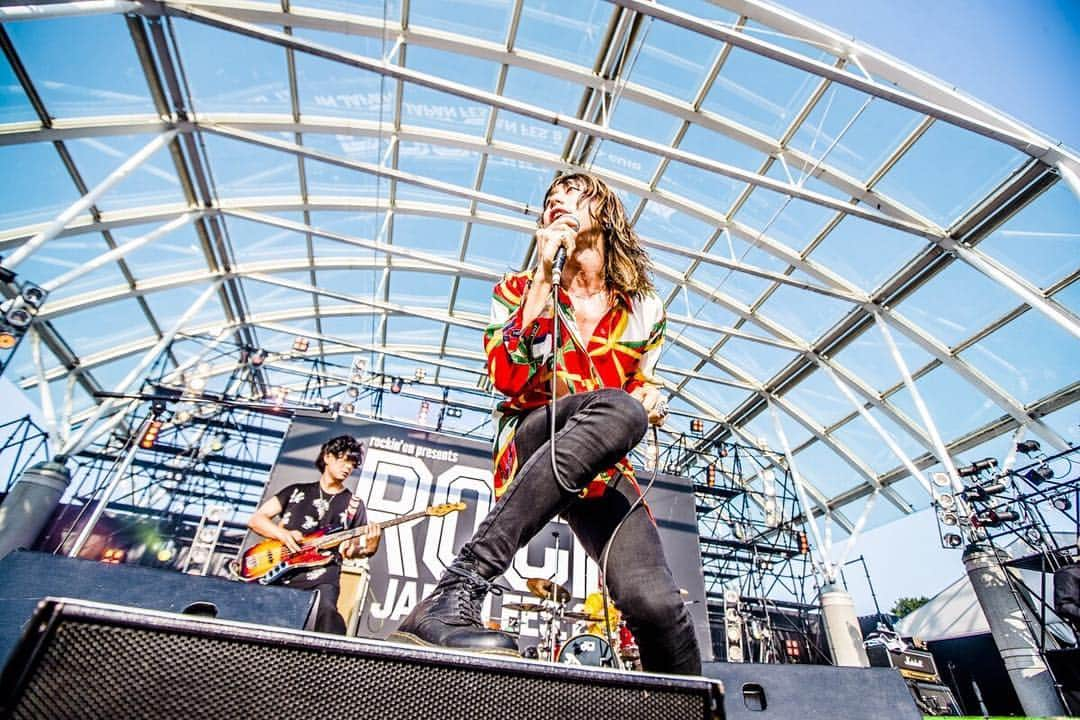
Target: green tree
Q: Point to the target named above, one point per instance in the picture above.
(904, 605)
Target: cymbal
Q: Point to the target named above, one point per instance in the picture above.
(582, 616)
(523, 607)
(543, 588)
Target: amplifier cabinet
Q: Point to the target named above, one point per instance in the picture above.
(912, 664)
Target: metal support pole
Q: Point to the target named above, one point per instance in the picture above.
(32, 501)
(842, 627)
(106, 494)
(1010, 625)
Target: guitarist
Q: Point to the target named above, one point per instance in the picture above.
(304, 508)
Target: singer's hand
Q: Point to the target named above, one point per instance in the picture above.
(562, 232)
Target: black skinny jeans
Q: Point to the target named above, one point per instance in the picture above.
(594, 430)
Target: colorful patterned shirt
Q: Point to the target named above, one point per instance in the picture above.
(622, 352)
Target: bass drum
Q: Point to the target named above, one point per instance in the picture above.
(587, 650)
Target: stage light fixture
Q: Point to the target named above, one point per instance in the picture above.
(804, 542)
(150, 435)
(18, 318)
(946, 501)
(8, 339)
(710, 474)
(1028, 447)
(949, 518)
(952, 540)
(1037, 475)
(976, 467)
(994, 518)
(454, 412)
(1033, 536)
(979, 493)
(697, 426)
(941, 479)
(258, 357)
(396, 385)
(353, 392)
(348, 409)
(301, 344)
(419, 375)
(33, 295)
(1062, 503)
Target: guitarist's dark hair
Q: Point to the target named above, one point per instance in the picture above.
(341, 445)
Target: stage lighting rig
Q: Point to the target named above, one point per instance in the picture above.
(1039, 474)
(980, 493)
(1028, 447)
(994, 517)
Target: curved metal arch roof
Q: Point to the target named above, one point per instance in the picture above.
(849, 249)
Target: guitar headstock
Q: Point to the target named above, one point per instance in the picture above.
(445, 509)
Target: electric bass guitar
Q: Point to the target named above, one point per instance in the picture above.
(270, 560)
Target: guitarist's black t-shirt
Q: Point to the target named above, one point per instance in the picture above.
(307, 508)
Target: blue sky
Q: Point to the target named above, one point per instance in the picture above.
(1018, 55)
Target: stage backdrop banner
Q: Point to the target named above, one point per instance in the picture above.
(406, 470)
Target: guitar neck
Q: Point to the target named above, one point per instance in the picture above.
(339, 537)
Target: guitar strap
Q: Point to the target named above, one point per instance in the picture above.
(350, 511)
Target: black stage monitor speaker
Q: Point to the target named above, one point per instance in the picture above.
(88, 660)
(27, 577)
(934, 699)
(812, 692)
(1065, 665)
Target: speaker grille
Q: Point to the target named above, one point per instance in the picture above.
(90, 670)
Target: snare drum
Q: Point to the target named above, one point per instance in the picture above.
(587, 650)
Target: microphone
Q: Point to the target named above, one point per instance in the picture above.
(560, 256)
(557, 265)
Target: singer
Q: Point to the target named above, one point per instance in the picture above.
(611, 326)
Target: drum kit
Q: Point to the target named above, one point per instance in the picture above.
(588, 645)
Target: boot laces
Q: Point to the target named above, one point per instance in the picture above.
(471, 593)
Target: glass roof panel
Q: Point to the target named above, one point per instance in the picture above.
(456, 67)
(756, 359)
(722, 398)
(519, 179)
(437, 236)
(424, 107)
(521, 130)
(671, 227)
(243, 169)
(1005, 356)
(717, 146)
(869, 357)
(547, 91)
(954, 404)
(61, 255)
(44, 189)
(95, 73)
(473, 296)
(405, 330)
(808, 314)
(673, 60)
(420, 289)
(858, 435)
(350, 224)
(858, 150)
(85, 329)
(463, 338)
(763, 429)
(496, 249)
(945, 306)
(329, 179)
(865, 253)
(152, 182)
(948, 171)
(14, 104)
(826, 470)
(389, 10)
(328, 88)
(1042, 241)
(447, 164)
(109, 374)
(176, 252)
(480, 19)
(353, 283)
(1069, 297)
(358, 329)
(566, 31)
(263, 298)
(821, 397)
(256, 242)
(623, 160)
(257, 79)
(758, 93)
(781, 218)
(169, 305)
(708, 189)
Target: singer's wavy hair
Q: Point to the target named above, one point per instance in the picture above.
(626, 262)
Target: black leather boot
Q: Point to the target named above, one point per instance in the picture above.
(450, 616)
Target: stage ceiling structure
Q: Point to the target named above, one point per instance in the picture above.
(866, 271)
